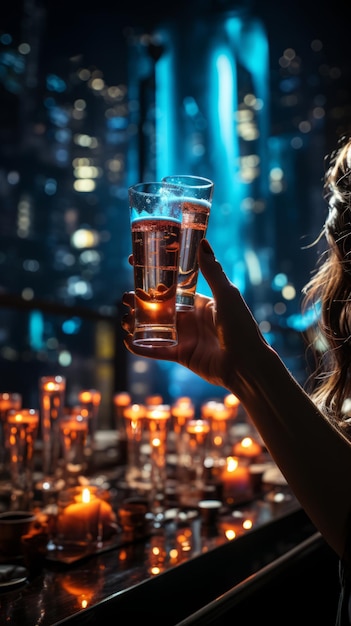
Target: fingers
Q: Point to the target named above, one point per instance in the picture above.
(128, 299)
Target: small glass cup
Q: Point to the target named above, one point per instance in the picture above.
(156, 220)
(197, 201)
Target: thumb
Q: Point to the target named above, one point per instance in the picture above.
(212, 270)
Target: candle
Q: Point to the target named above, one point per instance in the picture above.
(197, 431)
(121, 400)
(74, 432)
(9, 401)
(237, 525)
(247, 448)
(232, 402)
(236, 480)
(154, 400)
(84, 517)
(182, 410)
(157, 419)
(134, 420)
(51, 397)
(218, 414)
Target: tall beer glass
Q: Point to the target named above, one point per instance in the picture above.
(156, 219)
(197, 201)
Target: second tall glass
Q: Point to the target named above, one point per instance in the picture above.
(197, 201)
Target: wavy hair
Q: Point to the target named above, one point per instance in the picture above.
(330, 290)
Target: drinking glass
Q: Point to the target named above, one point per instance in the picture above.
(52, 397)
(156, 219)
(21, 429)
(197, 201)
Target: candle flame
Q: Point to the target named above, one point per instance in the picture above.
(232, 463)
(86, 495)
(246, 442)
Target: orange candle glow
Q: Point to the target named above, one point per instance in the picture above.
(182, 411)
(236, 480)
(198, 431)
(81, 520)
(122, 399)
(247, 448)
(233, 403)
(9, 401)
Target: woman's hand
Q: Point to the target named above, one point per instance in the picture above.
(216, 338)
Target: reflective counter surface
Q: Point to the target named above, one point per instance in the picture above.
(190, 556)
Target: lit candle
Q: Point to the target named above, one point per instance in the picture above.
(232, 402)
(74, 432)
(157, 418)
(247, 448)
(134, 420)
(235, 526)
(182, 410)
(198, 431)
(236, 480)
(154, 400)
(121, 400)
(84, 517)
(9, 401)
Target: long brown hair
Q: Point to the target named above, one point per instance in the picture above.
(330, 291)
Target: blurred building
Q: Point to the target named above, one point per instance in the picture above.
(202, 95)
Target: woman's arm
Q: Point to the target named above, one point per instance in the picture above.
(221, 342)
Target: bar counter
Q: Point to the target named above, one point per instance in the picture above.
(165, 574)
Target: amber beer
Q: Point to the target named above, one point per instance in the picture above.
(194, 227)
(197, 202)
(156, 215)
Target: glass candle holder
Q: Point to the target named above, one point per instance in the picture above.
(85, 519)
(182, 410)
(236, 480)
(121, 400)
(157, 418)
(7, 401)
(134, 425)
(247, 448)
(89, 403)
(73, 429)
(21, 430)
(196, 440)
(52, 391)
(218, 414)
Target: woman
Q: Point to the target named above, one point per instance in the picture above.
(220, 341)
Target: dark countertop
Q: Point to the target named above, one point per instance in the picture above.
(184, 550)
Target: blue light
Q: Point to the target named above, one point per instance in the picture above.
(36, 330)
(55, 83)
(71, 326)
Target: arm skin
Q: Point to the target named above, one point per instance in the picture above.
(220, 341)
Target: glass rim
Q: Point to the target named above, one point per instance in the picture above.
(159, 184)
(189, 180)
